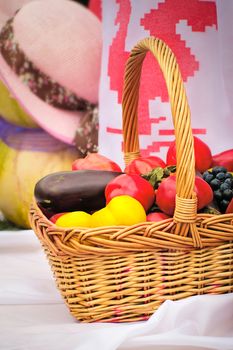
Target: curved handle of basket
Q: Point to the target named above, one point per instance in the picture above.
(185, 175)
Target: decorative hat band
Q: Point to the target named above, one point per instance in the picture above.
(39, 83)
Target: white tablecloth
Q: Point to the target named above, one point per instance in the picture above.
(34, 317)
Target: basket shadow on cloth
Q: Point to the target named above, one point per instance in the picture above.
(123, 274)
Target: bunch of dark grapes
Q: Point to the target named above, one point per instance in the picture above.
(221, 183)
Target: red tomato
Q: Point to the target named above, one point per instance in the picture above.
(166, 194)
(230, 207)
(144, 165)
(55, 217)
(224, 159)
(203, 156)
(132, 185)
(95, 161)
(157, 216)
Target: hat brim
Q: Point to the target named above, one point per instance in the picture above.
(57, 122)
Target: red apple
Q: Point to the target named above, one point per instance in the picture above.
(95, 161)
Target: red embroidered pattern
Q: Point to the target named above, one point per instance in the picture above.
(160, 22)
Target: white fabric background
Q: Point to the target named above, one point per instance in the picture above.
(32, 313)
(34, 317)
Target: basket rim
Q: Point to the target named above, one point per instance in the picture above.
(113, 240)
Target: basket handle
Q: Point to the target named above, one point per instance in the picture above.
(186, 201)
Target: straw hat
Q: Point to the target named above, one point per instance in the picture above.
(8, 8)
(50, 56)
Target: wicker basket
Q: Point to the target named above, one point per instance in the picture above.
(122, 274)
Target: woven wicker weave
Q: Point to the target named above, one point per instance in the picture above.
(123, 274)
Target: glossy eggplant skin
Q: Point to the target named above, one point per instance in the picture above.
(67, 191)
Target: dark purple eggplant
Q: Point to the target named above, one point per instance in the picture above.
(67, 191)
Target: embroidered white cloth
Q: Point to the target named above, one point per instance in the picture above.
(34, 317)
(200, 34)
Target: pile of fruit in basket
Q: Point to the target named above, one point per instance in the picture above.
(97, 192)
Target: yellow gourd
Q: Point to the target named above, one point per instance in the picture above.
(11, 110)
(26, 155)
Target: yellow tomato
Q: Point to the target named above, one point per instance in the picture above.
(74, 219)
(127, 210)
(103, 217)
